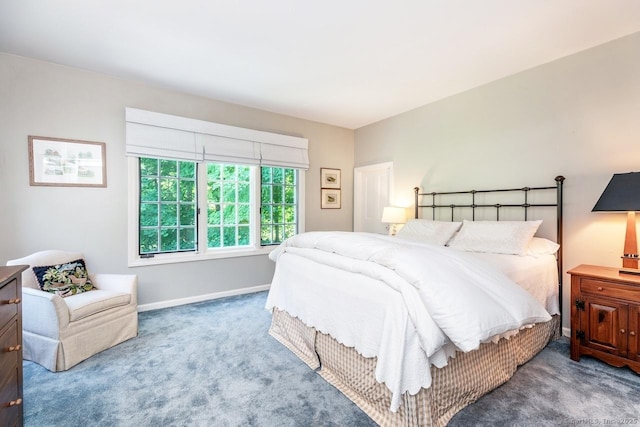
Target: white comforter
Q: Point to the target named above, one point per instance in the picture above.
(449, 301)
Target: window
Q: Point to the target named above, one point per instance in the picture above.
(201, 190)
(228, 205)
(170, 217)
(278, 205)
(167, 206)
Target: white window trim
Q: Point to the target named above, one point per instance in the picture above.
(133, 192)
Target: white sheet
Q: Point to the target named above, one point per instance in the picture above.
(387, 298)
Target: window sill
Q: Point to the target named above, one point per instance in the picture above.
(173, 258)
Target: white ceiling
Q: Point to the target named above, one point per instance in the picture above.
(344, 62)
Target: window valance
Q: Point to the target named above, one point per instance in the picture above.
(163, 135)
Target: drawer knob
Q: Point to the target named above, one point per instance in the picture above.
(599, 288)
(14, 301)
(622, 331)
(632, 333)
(14, 348)
(18, 401)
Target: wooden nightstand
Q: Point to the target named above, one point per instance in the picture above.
(605, 315)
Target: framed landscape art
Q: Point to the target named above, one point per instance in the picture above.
(67, 162)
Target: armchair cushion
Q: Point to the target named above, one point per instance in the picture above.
(88, 303)
(69, 278)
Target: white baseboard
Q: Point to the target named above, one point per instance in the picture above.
(200, 298)
(566, 332)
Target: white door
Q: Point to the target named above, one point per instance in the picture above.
(372, 192)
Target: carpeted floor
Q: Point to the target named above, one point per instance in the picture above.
(213, 364)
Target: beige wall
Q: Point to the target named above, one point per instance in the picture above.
(39, 98)
(578, 117)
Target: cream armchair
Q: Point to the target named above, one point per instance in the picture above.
(58, 333)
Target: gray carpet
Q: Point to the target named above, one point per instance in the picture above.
(213, 364)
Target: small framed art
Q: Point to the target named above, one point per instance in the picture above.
(67, 162)
(330, 198)
(330, 178)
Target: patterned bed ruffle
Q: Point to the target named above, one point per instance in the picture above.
(467, 377)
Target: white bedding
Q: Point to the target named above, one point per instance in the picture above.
(410, 305)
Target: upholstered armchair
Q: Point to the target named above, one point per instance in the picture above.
(58, 333)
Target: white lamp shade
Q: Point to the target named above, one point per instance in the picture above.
(394, 215)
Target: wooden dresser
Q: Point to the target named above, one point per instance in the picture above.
(11, 413)
(605, 315)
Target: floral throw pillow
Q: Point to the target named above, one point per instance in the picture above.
(66, 279)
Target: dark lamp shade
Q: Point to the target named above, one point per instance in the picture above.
(622, 194)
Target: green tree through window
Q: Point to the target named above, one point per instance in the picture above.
(168, 206)
(169, 217)
(278, 204)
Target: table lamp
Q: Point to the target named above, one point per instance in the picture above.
(622, 194)
(393, 216)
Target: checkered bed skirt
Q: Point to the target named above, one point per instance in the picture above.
(467, 377)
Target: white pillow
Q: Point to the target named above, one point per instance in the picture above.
(427, 231)
(498, 237)
(542, 246)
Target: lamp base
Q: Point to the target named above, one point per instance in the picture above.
(633, 271)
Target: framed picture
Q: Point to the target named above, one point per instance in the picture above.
(329, 178)
(67, 162)
(330, 199)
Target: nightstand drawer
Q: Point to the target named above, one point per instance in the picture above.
(601, 287)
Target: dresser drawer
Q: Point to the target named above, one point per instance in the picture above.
(9, 293)
(611, 290)
(10, 401)
(9, 349)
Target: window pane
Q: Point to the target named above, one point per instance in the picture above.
(266, 194)
(168, 168)
(265, 175)
(187, 170)
(213, 237)
(244, 214)
(148, 167)
(169, 239)
(213, 214)
(187, 238)
(244, 193)
(278, 191)
(244, 173)
(148, 241)
(290, 195)
(289, 214)
(265, 214)
(168, 190)
(229, 236)
(213, 194)
(149, 189)
(243, 236)
(230, 192)
(213, 171)
(229, 215)
(277, 214)
(187, 214)
(188, 191)
(168, 215)
(149, 214)
(289, 176)
(265, 235)
(229, 172)
(278, 175)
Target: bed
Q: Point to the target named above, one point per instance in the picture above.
(415, 327)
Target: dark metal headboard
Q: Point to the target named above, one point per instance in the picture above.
(525, 205)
